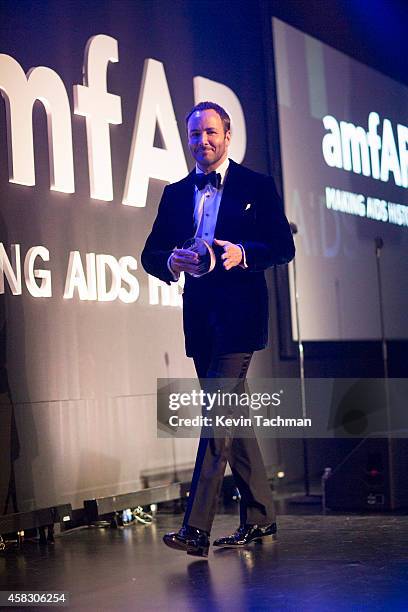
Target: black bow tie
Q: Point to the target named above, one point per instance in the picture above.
(213, 178)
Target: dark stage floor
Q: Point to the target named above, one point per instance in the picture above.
(319, 563)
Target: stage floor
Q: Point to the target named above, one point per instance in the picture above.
(328, 563)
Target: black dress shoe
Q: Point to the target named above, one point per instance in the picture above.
(248, 533)
(193, 541)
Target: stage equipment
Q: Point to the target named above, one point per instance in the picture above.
(132, 515)
(101, 507)
(9, 450)
(373, 475)
(379, 243)
(35, 519)
(367, 480)
(307, 498)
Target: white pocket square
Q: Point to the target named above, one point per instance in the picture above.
(247, 206)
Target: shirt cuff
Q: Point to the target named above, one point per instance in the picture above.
(243, 263)
(175, 275)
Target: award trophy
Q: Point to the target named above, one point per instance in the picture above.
(205, 254)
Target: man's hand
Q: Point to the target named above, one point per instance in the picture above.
(183, 260)
(232, 255)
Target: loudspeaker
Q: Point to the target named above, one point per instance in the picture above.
(358, 407)
(372, 477)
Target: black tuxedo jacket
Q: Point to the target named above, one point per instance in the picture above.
(229, 306)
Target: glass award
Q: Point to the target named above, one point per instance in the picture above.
(205, 253)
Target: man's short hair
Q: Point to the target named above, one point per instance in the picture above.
(225, 118)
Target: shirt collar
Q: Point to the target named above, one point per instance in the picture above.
(222, 170)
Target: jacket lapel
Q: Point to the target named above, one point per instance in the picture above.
(230, 196)
(185, 208)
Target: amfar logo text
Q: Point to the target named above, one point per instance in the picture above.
(102, 109)
(352, 148)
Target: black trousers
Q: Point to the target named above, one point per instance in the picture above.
(242, 454)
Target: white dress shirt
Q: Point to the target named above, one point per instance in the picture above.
(207, 204)
(206, 207)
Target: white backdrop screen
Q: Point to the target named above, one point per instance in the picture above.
(344, 147)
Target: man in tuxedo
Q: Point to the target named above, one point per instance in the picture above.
(225, 312)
